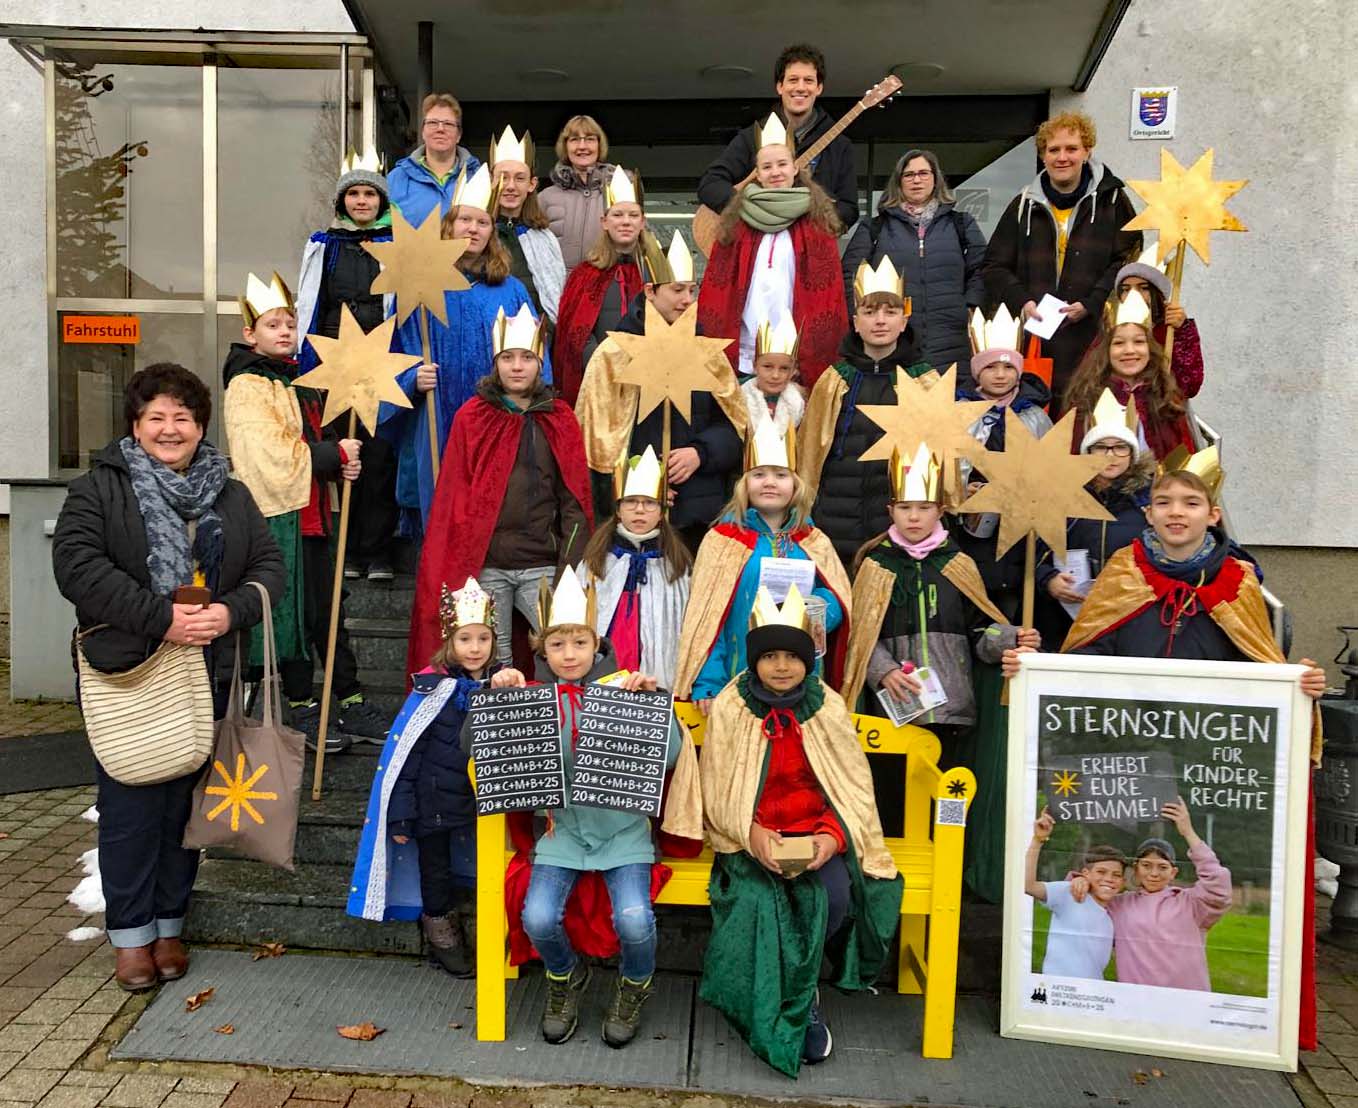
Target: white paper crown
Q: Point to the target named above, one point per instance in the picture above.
(780, 338)
(367, 162)
(639, 475)
(571, 602)
(1134, 309)
(675, 265)
(511, 148)
(260, 298)
(766, 447)
(470, 604)
(772, 133)
(1112, 421)
(1002, 332)
(517, 332)
(620, 189)
(478, 191)
(919, 479)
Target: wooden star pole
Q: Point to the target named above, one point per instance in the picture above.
(419, 266)
(357, 372)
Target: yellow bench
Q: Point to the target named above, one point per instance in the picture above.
(931, 865)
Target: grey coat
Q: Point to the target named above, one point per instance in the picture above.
(573, 209)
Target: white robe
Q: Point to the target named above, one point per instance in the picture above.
(770, 294)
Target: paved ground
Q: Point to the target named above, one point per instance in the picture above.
(33, 717)
(60, 1012)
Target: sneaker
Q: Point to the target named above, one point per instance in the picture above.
(360, 720)
(819, 1042)
(561, 1013)
(624, 1014)
(352, 570)
(306, 718)
(446, 943)
(380, 569)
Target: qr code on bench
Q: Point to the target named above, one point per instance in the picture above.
(952, 813)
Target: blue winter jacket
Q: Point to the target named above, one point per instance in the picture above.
(415, 191)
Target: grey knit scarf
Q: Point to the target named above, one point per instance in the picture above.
(168, 500)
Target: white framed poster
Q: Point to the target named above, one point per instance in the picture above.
(1154, 112)
(1154, 861)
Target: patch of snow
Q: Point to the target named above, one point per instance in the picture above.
(88, 896)
(80, 934)
(91, 813)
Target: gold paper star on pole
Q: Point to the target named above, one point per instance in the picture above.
(1185, 205)
(671, 361)
(926, 410)
(1035, 485)
(358, 371)
(418, 266)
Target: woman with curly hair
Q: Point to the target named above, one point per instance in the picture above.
(776, 255)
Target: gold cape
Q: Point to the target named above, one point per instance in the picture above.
(871, 596)
(732, 767)
(721, 559)
(264, 437)
(683, 813)
(607, 410)
(817, 430)
(1121, 590)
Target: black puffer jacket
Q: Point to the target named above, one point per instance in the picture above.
(852, 495)
(347, 278)
(434, 791)
(700, 498)
(99, 556)
(942, 277)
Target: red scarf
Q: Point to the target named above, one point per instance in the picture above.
(818, 307)
(578, 312)
(477, 462)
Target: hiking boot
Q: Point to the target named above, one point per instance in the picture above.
(380, 569)
(561, 1013)
(446, 944)
(360, 720)
(352, 570)
(306, 718)
(819, 1042)
(624, 1014)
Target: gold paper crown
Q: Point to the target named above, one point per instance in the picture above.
(1001, 332)
(517, 332)
(260, 298)
(884, 278)
(793, 613)
(639, 475)
(470, 604)
(766, 447)
(570, 604)
(779, 339)
(622, 188)
(919, 479)
(668, 268)
(1205, 464)
(772, 133)
(511, 148)
(1133, 310)
(1109, 413)
(369, 162)
(477, 192)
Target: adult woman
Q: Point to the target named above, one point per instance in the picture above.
(574, 201)
(935, 247)
(776, 255)
(120, 550)
(425, 179)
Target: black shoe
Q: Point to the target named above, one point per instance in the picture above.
(561, 1013)
(306, 718)
(360, 720)
(380, 569)
(624, 1014)
(819, 1042)
(352, 570)
(446, 943)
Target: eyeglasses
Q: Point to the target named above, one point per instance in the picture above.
(1117, 449)
(442, 125)
(916, 174)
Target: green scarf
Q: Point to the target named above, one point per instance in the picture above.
(383, 221)
(772, 210)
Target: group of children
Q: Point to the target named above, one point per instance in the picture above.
(886, 592)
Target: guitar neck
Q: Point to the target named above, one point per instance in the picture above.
(804, 159)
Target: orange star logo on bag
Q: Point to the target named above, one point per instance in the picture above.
(238, 792)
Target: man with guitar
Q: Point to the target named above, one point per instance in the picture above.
(799, 79)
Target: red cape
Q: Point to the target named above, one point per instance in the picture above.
(577, 314)
(477, 461)
(817, 296)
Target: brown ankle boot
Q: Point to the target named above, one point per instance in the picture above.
(446, 943)
(135, 971)
(171, 959)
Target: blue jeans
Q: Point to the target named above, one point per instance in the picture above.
(629, 888)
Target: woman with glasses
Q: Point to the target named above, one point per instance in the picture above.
(425, 179)
(574, 201)
(935, 247)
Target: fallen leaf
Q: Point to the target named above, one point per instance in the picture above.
(455, 1026)
(1157, 1073)
(225, 1029)
(4, 834)
(365, 1032)
(1141, 1077)
(268, 950)
(198, 1000)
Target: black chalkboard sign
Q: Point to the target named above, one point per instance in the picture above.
(620, 753)
(516, 748)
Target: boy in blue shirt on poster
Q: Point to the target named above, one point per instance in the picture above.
(1080, 936)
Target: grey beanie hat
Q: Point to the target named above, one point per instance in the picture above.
(360, 177)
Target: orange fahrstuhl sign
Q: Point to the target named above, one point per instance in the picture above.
(117, 329)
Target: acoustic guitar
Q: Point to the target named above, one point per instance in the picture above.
(705, 220)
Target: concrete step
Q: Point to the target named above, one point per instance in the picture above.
(379, 599)
(248, 903)
(384, 687)
(378, 644)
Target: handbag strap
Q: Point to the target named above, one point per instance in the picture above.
(272, 698)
